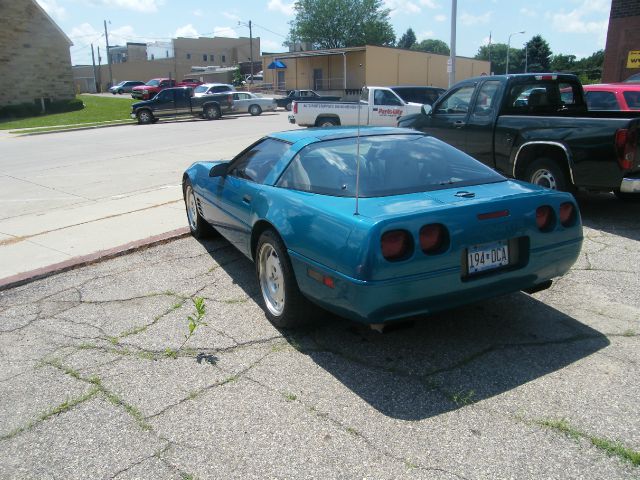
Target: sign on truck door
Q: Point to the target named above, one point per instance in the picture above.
(386, 108)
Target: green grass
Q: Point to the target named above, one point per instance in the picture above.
(97, 109)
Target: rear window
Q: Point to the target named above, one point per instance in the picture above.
(542, 97)
(597, 100)
(633, 99)
(389, 165)
(418, 94)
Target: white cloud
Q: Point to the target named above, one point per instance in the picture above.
(186, 31)
(197, 12)
(231, 16)
(467, 19)
(225, 32)
(270, 46)
(424, 35)
(146, 6)
(279, 6)
(52, 8)
(528, 12)
(440, 18)
(429, 4)
(575, 21)
(401, 6)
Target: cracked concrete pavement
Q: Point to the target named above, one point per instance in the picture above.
(93, 383)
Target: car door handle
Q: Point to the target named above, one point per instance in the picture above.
(246, 199)
(459, 123)
(375, 109)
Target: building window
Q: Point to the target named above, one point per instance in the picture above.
(167, 53)
(153, 57)
(188, 56)
(223, 59)
(211, 57)
(204, 57)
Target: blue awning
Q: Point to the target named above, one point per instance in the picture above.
(276, 64)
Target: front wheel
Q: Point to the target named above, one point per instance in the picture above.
(120, 92)
(145, 117)
(212, 112)
(197, 225)
(284, 304)
(546, 173)
(255, 110)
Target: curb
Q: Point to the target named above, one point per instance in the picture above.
(27, 134)
(97, 257)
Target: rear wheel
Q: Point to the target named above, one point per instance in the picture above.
(145, 117)
(284, 304)
(255, 110)
(327, 122)
(546, 173)
(120, 92)
(212, 112)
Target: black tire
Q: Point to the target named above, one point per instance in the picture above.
(212, 112)
(255, 110)
(145, 117)
(284, 305)
(287, 107)
(113, 93)
(546, 173)
(120, 92)
(327, 122)
(627, 196)
(197, 225)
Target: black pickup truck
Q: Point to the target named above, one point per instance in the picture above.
(303, 96)
(172, 102)
(536, 127)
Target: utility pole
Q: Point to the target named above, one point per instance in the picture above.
(93, 60)
(99, 69)
(509, 47)
(490, 71)
(250, 49)
(106, 36)
(451, 67)
(526, 57)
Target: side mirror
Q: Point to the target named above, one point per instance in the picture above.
(426, 110)
(219, 170)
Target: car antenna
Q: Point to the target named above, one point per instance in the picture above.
(358, 150)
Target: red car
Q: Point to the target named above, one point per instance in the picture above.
(151, 88)
(613, 96)
(189, 82)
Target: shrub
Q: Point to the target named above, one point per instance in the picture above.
(23, 110)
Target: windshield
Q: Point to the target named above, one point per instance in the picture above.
(153, 83)
(201, 89)
(389, 165)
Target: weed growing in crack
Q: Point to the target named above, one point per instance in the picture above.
(353, 431)
(290, 397)
(463, 398)
(628, 333)
(195, 321)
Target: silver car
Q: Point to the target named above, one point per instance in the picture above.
(250, 102)
(209, 88)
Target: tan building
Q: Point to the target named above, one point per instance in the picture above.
(347, 70)
(35, 63)
(178, 60)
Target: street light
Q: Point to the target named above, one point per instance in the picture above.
(508, 46)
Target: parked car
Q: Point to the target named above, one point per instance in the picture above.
(189, 82)
(635, 78)
(250, 102)
(418, 94)
(152, 88)
(179, 101)
(303, 95)
(420, 235)
(209, 88)
(378, 106)
(613, 96)
(125, 86)
(547, 137)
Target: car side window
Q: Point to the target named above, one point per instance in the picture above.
(385, 97)
(486, 99)
(255, 163)
(457, 101)
(236, 96)
(165, 96)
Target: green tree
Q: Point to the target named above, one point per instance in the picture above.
(563, 63)
(539, 54)
(341, 23)
(432, 46)
(497, 52)
(408, 39)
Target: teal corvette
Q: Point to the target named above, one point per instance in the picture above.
(380, 226)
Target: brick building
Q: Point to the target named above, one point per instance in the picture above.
(34, 55)
(623, 37)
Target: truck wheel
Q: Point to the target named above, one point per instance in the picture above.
(287, 107)
(627, 196)
(212, 112)
(327, 122)
(145, 117)
(255, 110)
(546, 173)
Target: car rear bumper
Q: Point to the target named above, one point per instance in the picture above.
(630, 185)
(384, 301)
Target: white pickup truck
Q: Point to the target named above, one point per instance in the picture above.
(378, 106)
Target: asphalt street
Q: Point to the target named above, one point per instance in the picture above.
(96, 380)
(64, 195)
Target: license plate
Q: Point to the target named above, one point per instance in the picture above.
(487, 256)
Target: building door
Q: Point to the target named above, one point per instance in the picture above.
(317, 79)
(281, 83)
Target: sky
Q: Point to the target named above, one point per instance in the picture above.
(575, 27)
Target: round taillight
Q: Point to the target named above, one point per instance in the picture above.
(433, 238)
(396, 244)
(544, 218)
(567, 214)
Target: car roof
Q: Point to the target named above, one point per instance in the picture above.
(624, 87)
(334, 133)
(432, 87)
(215, 85)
